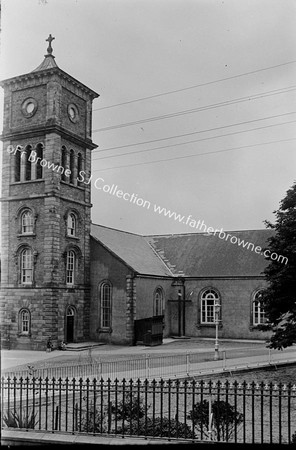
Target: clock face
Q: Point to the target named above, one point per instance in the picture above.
(73, 113)
(29, 107)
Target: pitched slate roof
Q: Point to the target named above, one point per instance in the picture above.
(204, 255)
(190, 254)
(132, 249)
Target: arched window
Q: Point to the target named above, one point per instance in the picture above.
(158, 302)
(105, 304)
(72, 166)
(17, 165)
(209, 299)
(70, 267)
(258, 310)
(79, 167)
(64, 162)
(26, 265)
(24, 321)
(27, 222)
(71, 225)
(28, 164)
(39, 168)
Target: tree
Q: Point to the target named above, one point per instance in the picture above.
(279, 298)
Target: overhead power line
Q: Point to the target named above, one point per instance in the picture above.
(202, 108)
(192, 133)
(195, 140)
(195, 155)
(194, 86)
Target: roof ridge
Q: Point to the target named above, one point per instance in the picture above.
(202, 233)
(158, 256)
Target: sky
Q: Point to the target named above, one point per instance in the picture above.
(200, 93)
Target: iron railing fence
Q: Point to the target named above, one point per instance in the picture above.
(155, 366)
(171, 409)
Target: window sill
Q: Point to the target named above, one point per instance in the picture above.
(105, 330)
(73, 185)
(71, 287)
(209, 325)
(72, 237)
(26, 235)
(27, 181)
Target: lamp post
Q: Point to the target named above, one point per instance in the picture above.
(216, 313)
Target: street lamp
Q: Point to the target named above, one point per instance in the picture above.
(216, 313)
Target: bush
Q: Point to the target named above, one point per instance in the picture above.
(129, 409)
(20, 420)
(160, 427)
(224, 419)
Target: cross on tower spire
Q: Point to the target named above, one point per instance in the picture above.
(49, 40)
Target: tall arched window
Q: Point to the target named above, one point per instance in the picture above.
(79, 167)
(72, 166)
(105, 304)
(158, 302)
(39, 168)
(71, 225)
(258, 310)
(70, 267)
(26, 265)
(17, 165)
(24, 321)
(64, 162)
(209, 298)
(28, 164)
(27, 222)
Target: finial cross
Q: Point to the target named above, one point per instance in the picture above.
(49, 40)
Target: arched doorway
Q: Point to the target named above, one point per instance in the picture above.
(70, 324)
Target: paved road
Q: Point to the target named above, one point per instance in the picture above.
(164, 360)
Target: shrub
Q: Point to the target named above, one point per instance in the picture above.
(224, 419)
(160, 427)
(130, 408)
(17, 419)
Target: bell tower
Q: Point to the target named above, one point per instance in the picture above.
(45, 260)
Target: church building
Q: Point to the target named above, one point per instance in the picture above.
(66, 279)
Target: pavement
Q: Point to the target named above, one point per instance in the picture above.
(239, 354)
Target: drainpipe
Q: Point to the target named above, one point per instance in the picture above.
(179, 311)
(184, 304)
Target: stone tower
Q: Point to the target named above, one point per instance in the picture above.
(45, 258)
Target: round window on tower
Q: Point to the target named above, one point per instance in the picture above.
(73, 113)
(29, 107)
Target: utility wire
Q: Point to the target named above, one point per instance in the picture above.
(194, 86)
(195, 140)
(202, 108)
(192, 133)
(195, 155)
